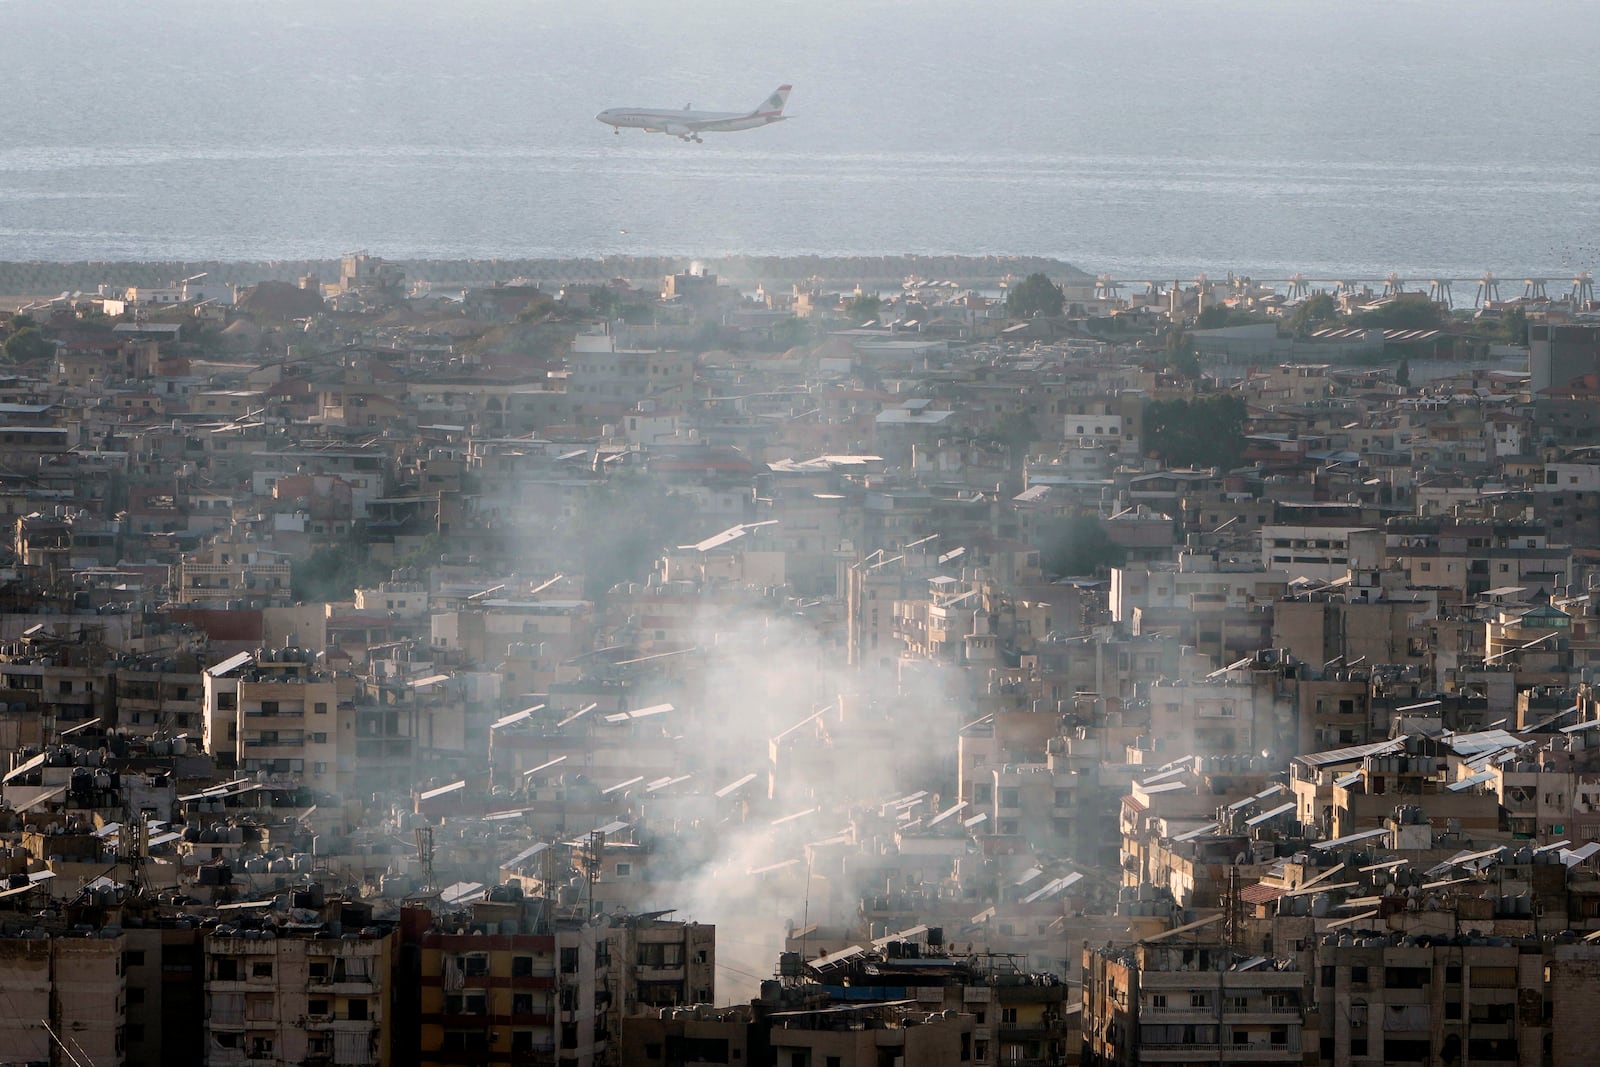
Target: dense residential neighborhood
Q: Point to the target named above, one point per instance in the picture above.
(1017, 668)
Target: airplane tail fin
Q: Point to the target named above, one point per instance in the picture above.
(774, 104)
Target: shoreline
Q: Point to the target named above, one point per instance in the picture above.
(42, 278)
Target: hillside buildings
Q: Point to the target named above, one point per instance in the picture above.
(669, 674)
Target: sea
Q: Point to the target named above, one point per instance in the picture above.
(1148, 139)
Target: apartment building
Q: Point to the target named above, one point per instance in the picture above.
(1320, 553)
(282, 996)
(1481, 1001)
(233, 569)
(155, 694)
(279, 711)
(1185, 997)
(60, 987)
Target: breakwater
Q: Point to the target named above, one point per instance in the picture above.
(42, 278)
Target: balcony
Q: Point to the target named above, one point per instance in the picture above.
(1274, 1053)
(274, 742)
(1262, 1008)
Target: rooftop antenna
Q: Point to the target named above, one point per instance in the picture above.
(425, 857)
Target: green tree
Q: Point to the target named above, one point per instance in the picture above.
(1184, 363)
(334, 573)
(791, 333)
(711, 334)
(1015, 432)
(636, 314)
(27, 345)
(1205, 432)
(1181, 356)
(541, 309)
(1214, 317)
(1404, 315)
(864, 308)
(1516, 326)
(1313, 311)
(1402, 373)
(1035, 295)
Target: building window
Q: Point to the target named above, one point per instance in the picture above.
(261, 969)
(522, 966)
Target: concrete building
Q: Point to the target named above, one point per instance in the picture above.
(277, 996)
(1320, 553)
(61, 988)
(1185, 997)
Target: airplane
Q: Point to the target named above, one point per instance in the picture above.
(688, 125)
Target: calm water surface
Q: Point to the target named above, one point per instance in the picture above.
(1149, 139)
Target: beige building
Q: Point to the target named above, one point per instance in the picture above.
(230, 569)
(1184, 997)
(278, 711)
(280, 1000)
(75, 985)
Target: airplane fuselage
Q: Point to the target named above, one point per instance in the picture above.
(720, 121)
(689, 124)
